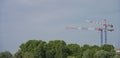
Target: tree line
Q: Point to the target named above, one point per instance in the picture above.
(59, 49)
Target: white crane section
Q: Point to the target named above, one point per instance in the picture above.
(84, 28)
(95, 22)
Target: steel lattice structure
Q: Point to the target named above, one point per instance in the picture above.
(104, 28)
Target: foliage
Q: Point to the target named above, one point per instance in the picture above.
(37, 47)
(74, 50)
(107, 47)
(6, 54)
(39, 51)
(102, 54)
(28, 55)
(87, 54)
(59, 49)
(19, 54)
(116, 56)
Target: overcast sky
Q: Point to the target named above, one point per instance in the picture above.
(22, 20)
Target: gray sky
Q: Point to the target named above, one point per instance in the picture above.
(22, 20)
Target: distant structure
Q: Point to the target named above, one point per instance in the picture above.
(104, 28)
(118, 51)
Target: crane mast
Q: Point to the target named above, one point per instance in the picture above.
(104, 28)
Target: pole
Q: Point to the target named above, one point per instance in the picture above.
(105, 34)
(105, 30)
(101, 37)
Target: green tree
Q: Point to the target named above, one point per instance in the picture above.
(93, 49)
(40, 51)
(87, 54)
(57, 49)
(74, 50)
(50, 53)
(19, 54)
(30, 45)
(102, 54)
(112, 53)
(6, 54)
(28, 55)
(110, 49)
(107, 47)
(84, 48)
(37, 47)
(116, 56)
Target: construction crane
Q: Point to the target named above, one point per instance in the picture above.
(105, 27)
(88, 28)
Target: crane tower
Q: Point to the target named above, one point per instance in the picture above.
(104, 28)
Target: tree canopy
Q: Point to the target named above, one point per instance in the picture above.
(60, 49)
(6, 54)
